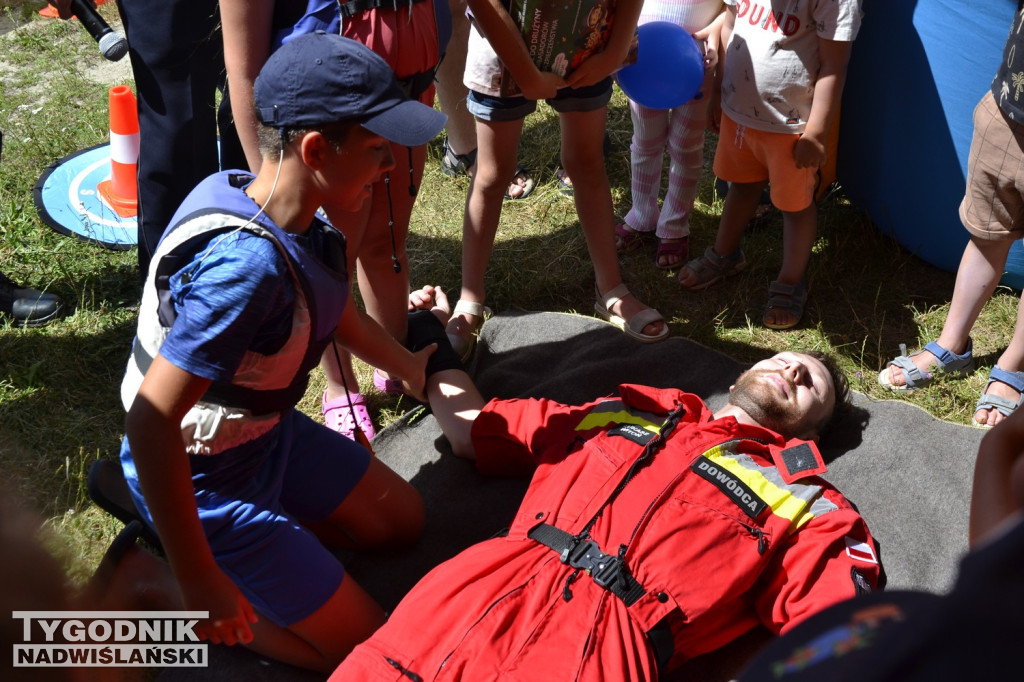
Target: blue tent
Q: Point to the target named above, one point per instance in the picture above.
(917, 71)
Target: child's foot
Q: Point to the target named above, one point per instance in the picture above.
(521, 186)
(785, 305)
(564, 182)
(711, 268)
(922, 359)
(347, 414)
(1001, 397)
(672, 252)
(464, 325)
(625, 311)
(924, 364)
(626, 238)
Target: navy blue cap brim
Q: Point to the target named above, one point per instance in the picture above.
(409, 123)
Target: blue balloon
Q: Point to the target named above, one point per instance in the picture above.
(669, 67)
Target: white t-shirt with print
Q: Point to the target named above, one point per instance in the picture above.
(772, 60)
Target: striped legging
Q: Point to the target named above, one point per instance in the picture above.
(682, 129)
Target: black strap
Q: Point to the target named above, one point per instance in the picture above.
(258, 402)
(354, 7)
(607, 570)
(415, 85)
(583, 553)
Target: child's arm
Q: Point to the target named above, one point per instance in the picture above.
(714, 38)
(153, 427)
(998, 491)
(723, 24)
(368, 341)
(246, 25)
(500, 31)
(809, 151)
(606, 62)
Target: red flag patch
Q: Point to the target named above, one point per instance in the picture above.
(860, 551)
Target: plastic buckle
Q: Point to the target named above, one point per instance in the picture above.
(587, 556)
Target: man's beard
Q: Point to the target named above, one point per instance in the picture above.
(762, 402)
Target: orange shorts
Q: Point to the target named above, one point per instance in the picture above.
(748, 155)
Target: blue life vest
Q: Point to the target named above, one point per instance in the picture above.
(264, 386)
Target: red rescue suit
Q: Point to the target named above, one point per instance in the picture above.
(715, 541)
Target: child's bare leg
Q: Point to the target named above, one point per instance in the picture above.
(383, 510)
(583, 160)
(451, 92)
(385, 293)
(799, 230)
(740, 204)
(496, 162)
(322, 640)
(979, 272)
(354, 225)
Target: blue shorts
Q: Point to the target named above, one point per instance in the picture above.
(251, 499)
(589, 98)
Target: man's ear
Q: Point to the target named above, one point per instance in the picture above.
(314, 148)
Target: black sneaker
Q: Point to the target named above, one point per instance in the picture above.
(27, 307)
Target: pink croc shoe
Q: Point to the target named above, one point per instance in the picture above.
(347, 413)
(386, 384)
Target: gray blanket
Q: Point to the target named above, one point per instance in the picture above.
(908, 473)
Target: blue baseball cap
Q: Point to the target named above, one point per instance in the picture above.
(319, 78)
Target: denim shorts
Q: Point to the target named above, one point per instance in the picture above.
(589, 98)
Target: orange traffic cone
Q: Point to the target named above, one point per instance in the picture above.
(51, 12)
(122, 190)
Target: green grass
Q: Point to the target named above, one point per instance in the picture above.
(59, 404)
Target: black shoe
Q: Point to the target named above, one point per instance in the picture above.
(27, 307)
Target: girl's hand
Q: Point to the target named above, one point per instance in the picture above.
(544, 85)
(594, 69)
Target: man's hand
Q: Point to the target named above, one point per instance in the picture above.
(230, 612)
(63, 8)
(433, 299)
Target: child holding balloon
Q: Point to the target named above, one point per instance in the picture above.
(681, 128)
(581, 100)
(782, 78)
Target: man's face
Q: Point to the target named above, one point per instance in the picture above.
(361, 161)
(789, 393)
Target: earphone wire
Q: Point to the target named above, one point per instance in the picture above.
(250, 221)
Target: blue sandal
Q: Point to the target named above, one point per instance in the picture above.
(946, 361)
(1014, 380)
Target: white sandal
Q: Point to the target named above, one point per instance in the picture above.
(634, 328)
(463, 346)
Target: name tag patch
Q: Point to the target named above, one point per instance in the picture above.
(633, 432)
(735, 489)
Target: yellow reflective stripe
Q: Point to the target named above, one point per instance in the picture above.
(596, 420)
(782, 501)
